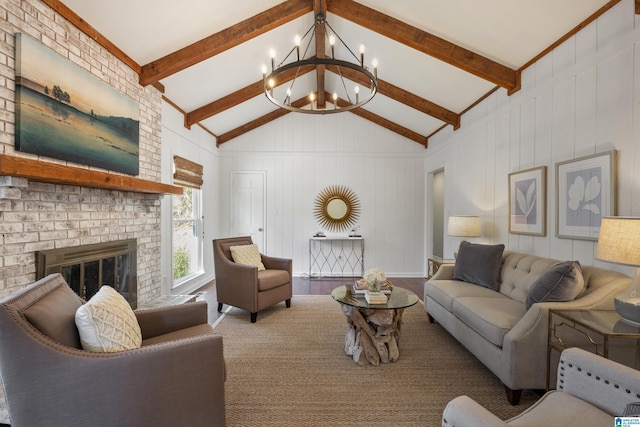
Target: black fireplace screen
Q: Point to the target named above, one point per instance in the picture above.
(86, 268)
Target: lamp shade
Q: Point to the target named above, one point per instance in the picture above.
(619, 240)
(463, 226)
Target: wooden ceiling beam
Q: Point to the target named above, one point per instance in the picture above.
(319, 7)
(361, 112)
(387, 89)
(387, 124)
(223, 40)
(222, 104)
(405, 97)
(239, 96)
(260, 121)
(427, 43)
(414, 101)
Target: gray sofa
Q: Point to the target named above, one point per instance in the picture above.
(497, 328)
(591, 392)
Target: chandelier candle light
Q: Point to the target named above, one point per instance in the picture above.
(280, 94)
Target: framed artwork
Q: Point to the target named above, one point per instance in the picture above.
(66, 113)
(585, 192)
(528, 201)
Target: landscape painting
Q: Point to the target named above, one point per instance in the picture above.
(64, 112)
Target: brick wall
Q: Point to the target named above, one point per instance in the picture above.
(36, 216)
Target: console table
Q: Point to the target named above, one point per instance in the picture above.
(336, 257)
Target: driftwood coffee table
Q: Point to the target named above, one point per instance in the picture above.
(374, 330)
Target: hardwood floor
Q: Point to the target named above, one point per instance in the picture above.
(307, 286)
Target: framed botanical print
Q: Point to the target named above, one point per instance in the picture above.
(527, 201)
(585, 192)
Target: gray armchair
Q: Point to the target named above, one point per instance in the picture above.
(591, 391)
(245, 287)
(175, 378)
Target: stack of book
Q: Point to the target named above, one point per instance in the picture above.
(375, 298)
(361, 287)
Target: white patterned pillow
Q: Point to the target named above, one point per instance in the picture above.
(106, 323)
(248, 255)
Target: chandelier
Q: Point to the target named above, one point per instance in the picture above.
(280, 85)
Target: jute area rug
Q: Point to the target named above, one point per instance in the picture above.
(289, 368)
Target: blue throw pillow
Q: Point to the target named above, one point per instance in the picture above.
(561, 282)
(479, 264)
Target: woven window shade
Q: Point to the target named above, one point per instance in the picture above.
(186, 173)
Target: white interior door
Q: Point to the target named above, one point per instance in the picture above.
(248, 211)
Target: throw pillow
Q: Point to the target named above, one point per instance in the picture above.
(561, 282)
(247, 255)
(479, 264)
(106, 323)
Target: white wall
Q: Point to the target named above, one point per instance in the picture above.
(200, 147)
(302, 154)
(580, 99)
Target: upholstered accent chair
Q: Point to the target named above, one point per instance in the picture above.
(175, 378)
(591, 391)
(247, 286)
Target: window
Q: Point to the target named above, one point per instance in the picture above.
(188, 232)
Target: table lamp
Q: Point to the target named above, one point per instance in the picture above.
(463, 226)
(619, 242)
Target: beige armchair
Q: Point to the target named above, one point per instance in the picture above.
(245, 287)
(175, 378)
(591, 392)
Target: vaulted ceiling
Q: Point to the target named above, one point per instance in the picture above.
(437, 58)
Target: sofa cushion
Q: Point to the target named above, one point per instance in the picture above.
(479, 264)
(444, 292)
(561, 282)
(54, 315)
(558, 408)
(491, 317)
(269, 279)
(107, 323)
(247, 255)
(519, 272)
(193, 331)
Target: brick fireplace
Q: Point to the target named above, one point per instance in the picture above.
(38, 216)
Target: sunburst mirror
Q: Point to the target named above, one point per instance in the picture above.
(337, 208)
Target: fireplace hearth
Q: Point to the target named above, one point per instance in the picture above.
(87, 267)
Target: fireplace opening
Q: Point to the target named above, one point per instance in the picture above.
(86, 268)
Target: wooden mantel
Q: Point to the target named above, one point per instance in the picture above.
(37, 170)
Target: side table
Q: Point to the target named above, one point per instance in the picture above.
(602, 332)
(434, 264)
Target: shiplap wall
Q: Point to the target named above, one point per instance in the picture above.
(580, 99)
(302, 154)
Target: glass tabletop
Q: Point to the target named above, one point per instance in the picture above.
(398, 298)
(606, 322)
